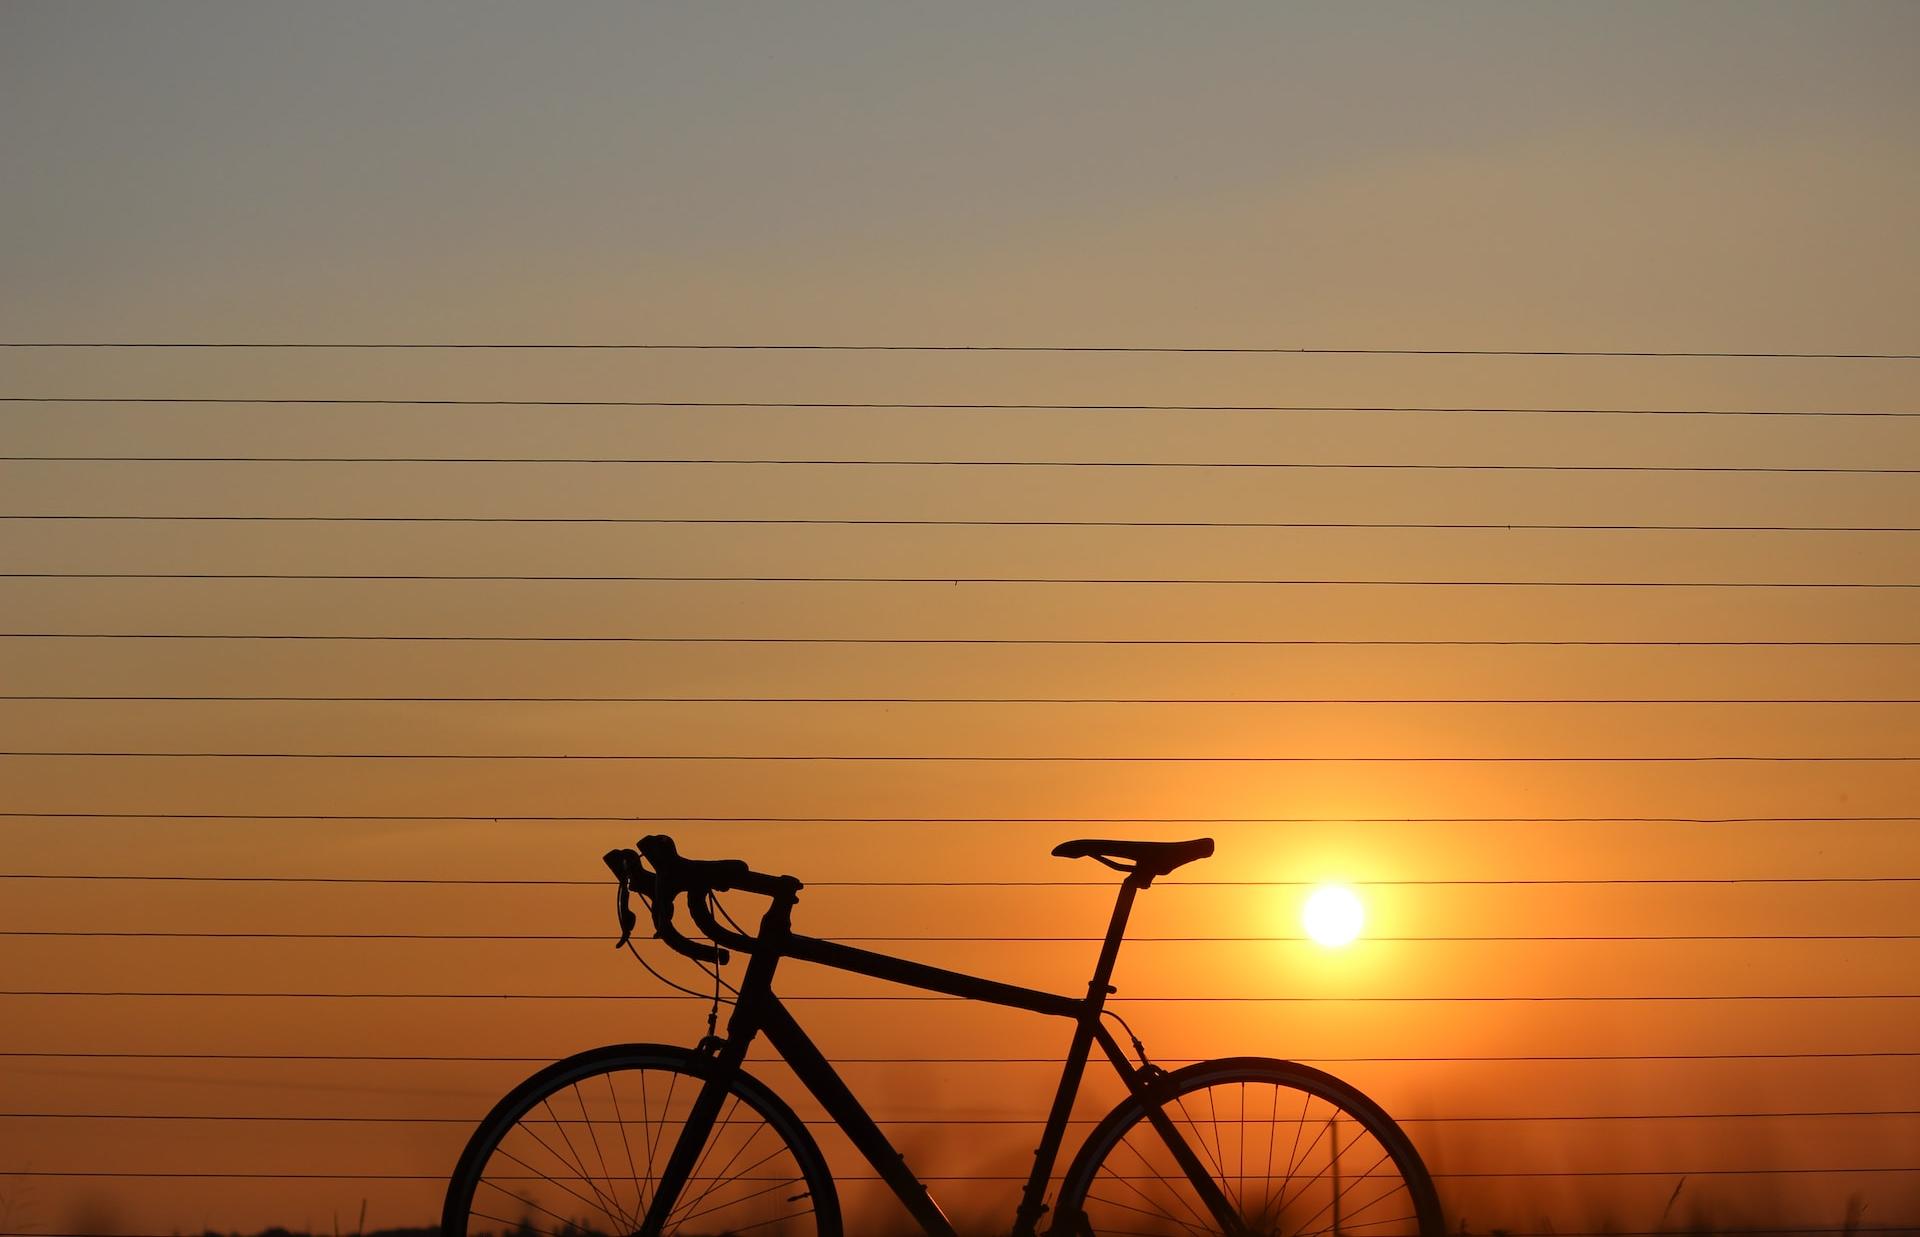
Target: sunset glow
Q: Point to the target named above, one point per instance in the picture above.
(1447, 475)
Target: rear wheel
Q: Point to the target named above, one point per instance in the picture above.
(578, 1149)
(1293, 1151)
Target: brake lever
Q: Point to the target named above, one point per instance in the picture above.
(619, 861)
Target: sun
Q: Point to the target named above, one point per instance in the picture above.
(1333, 916)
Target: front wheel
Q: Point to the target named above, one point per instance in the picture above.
(1289, 1151)
(578, 1149)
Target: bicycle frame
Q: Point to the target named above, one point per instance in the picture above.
(758, 1011)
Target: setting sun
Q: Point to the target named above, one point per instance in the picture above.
(1333, 916)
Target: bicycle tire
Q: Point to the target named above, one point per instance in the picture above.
(549, 1185)
(1263, 1101)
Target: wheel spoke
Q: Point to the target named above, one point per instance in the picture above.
(721, 1178)
(1287, 1195)
(605, 1175)
(1395, 1188)
(1158, 1215)
(580, 1163)
(1406, 1219)
(755, 1171)
(666, 1114)
(554, 1181)
(1126, 1140)
(714, 1136)
(1339, 1194)
(506, 1224)
(1241, 1194)
(528, 1202)
(1336, 1151)
(1363, 1181)
(1188, 1117)
(633, 1173)
(747, 1197)
(747, 1228)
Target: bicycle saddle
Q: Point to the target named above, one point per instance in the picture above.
(1148, 859)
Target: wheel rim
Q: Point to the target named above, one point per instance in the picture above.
(1291, 1162)
(584, 1157)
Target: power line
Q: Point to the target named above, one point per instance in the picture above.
(715, 462)
(945, 581)
(124, 1174)
(1476, 882)
(677, 521)
(1135, 349)
(942, 641)
(1054, 1061)
(989, 700)
(1797, 1231)
(891, 998)
(1803, 1230)
(149, 934)
(943, 406)
(1463, 1119)
(957, 758)
(968, 820)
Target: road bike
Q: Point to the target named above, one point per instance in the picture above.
(651, 1139)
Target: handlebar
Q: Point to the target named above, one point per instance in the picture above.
(671, 877)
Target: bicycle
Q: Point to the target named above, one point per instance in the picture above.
(1239, 1145)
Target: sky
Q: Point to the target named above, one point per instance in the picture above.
(1601, 178)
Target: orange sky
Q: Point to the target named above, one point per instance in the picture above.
(1648, 178)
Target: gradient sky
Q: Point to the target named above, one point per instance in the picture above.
(1626, 176)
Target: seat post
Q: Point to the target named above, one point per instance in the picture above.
(1116, 932)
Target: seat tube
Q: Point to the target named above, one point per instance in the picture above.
(1033, 1198)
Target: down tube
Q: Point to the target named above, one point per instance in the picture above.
(820, 1078)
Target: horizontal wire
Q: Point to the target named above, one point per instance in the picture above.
(1742, 1231)
(948, 581)
(941, 406)
(1589, 1058)
(964, 408)
(1508, 1174)
(145, 934)
(1486, 882)
(929, 523)
(934, 758)
(970, 641)
(720, 462)
(1586, 1116)
(1714, 700)
(1136, 349)
(975, 820)
(894, 999)
(1797, 1231)
(1487, 1119)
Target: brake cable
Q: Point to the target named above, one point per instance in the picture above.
(1139, 1049)
(662, 978)
(715, 904)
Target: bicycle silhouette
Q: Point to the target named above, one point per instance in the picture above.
(651, 1139)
